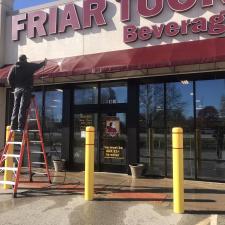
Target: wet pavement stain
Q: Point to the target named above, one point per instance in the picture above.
(145, 214)
(99, 213)
(63, 203)
(42, 211)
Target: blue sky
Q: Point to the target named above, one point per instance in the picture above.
(19, 4)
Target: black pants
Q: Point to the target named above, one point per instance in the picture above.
(22, 97)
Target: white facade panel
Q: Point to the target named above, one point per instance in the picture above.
(105, 38)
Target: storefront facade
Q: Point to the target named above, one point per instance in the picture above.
(131, 69)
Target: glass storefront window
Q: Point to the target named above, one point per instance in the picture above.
(113, 93)
(210, 119)
(162, 106)
(180, 113)
(86, 94)
(39, 101)
(179, 104)
(53, 123)
(152, 130)
(155, 137)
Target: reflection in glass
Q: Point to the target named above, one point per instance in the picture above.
(210, 116)
(112, 93)
(39, 101)
(152, 131)
(180, 113)
(53, 124)
(80, 123)
(86, 94)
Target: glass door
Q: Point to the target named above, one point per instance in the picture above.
(113, 142)
(81, 120)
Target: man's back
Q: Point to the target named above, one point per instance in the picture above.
(21, 74)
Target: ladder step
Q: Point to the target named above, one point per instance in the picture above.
(32, 119)
(11, 155)
(14, 143)
(39, 173)
(38, 163)
(32, 152)
(35, 142)
(33, 130)
(17, 131)
(9, 168)
(7, 182)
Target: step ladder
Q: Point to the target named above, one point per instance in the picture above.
(26, 143)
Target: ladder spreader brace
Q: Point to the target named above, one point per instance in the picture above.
(25, 143)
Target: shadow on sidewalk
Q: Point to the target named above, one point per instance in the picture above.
(123, 188)
(205, 212)
(150, 199)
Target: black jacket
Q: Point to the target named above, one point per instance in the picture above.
(21, 74)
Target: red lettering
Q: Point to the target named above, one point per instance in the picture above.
(145, 33)
(69, 17)
(199, 25)
(172, 29)
(158, 31)
(145, 11)
(52, 25)
(130, 33)
(184, 26)
(216, 25)
(125, 10)
(207, 3)
(17, 26)
(95, 9)
(179, 6)
(36, 24)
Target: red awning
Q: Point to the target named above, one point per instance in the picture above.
(185, 53)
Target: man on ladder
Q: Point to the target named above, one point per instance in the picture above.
(20, 78)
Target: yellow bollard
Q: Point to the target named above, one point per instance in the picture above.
(8, 175)
(89, 163)
(178, 170)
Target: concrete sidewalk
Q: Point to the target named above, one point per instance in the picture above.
(119, 200)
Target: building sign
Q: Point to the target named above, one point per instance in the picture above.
(112, 128)
(40, 23)
(113, 152)
(214, 26)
